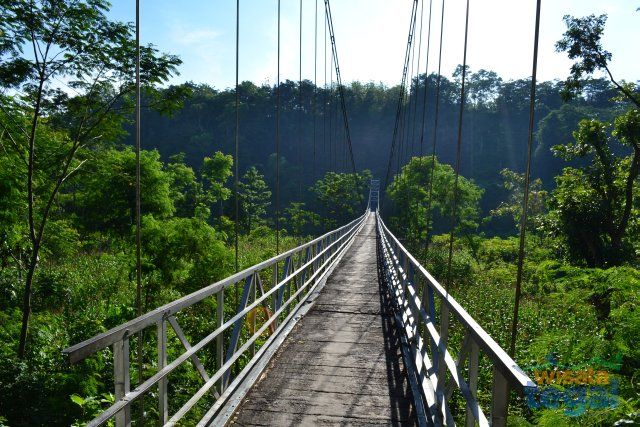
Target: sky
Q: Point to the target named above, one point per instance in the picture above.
(371, 36)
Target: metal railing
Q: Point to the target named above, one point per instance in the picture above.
(435, 373)
(293, 275)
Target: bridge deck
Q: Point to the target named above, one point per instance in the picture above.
(342, 363)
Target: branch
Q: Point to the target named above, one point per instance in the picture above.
(16, 146)
(634, 171)
(85, 117)
(76, 169)
(34, 44)
(64, 175)
(107, 108)
(24, 131)
(622, 89)
(17, 260)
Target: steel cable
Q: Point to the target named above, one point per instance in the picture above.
(527, 179)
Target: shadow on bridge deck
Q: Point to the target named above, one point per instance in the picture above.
(342, 363)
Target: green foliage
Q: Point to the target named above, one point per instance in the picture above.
(595, 207)
(254, 195)
(73, 43)
(187, 253)
(216, 171)
(185, 189)
(514, 184)
(463, 264)
(341, 196)
(112, 207)
(583, 43)
(421, 186)
(299, 219)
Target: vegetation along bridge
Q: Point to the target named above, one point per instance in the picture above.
(348, 327)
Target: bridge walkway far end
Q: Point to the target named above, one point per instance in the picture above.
(342, 362)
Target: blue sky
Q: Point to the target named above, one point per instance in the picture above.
(371, 36)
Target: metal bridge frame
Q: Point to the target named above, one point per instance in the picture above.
(430, 365)
(293, 276)
(285, 283)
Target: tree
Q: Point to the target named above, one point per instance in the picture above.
(299, 218)
(185, 188)
(582, 42)
(216, 171)
(514, 184)
(595, 206)
(70, 43)
(410, 193)
(341, 196)
(111, 208)
(483, 87)
(254, 196)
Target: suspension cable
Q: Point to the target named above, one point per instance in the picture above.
(278, 143)
(138, 147)
(331, 150)
(426, 82)
(300, 109)
(417, 77)
(394, 138)
(236, 160)
(527, 179)
(404, 140)
(435, 132)
(140, 334)
(454, 209)
(409, 144)
(237, 150)
(315, 91)
(345, 117)
(324, 106)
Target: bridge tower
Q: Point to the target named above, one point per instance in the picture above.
(374, 192)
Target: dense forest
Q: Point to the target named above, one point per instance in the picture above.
(495, 127)
(67, 204)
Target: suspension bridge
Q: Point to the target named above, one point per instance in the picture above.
(348, 328)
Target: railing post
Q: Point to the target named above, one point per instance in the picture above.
(274, 296)
(499, 399)
(441, 366)
(317, 248)
(431, 310)
(405, 279)
(163, 407)
(252, 298)
(220, 337)
(470, 421)
(121, 379)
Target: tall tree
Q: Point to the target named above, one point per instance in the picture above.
(512, 207)
(46, 45)
(341, 196)
(410, 194)
(583, 43)
(255, 197)
(595, 205)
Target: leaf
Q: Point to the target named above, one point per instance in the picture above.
(77, 400)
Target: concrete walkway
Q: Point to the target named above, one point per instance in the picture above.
(342, 364)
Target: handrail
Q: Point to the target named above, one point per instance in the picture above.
(417, 317)
(86, 348)
(303, 268)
